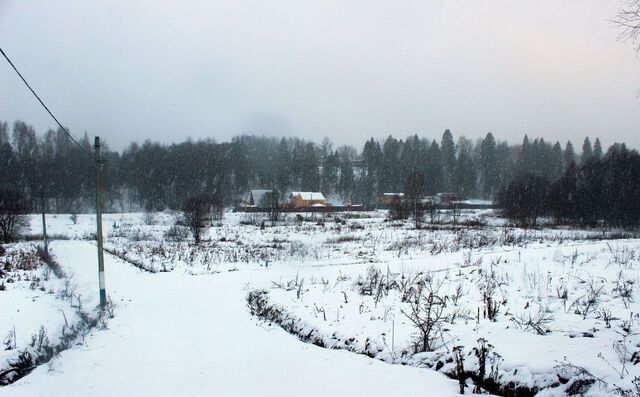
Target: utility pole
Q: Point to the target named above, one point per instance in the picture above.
(103, 292)
(44, 226)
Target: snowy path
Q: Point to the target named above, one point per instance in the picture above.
(179, 335)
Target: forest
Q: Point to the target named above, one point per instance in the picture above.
(155, 176)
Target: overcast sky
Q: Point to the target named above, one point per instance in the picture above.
(349, 70)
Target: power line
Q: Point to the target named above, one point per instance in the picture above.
(103, 162)
(99, 162)
(40, 100)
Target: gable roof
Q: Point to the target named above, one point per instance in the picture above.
(309, 195)
(257, 195)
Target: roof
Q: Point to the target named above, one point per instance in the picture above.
(309, 195)
(257, 195)
(393, 194)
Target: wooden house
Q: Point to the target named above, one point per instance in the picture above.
(306, 199)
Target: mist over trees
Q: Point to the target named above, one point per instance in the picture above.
(156, 176)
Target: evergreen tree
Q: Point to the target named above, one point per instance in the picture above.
(347, 177)
(557, 161)
(448, 155)
(330, 173)
(569, 156)
(488, 166)
(523, 199)
(411, 157)
(368, 183)
(597, 149)
(390, 169)
(4, 133)
(283, 164)
(464, 174)
(309, 166)
(587, 151)
(524, 158)
(239, 163)
(433, 171)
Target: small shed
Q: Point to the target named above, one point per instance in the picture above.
(306, 199)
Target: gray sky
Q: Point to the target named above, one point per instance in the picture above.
(344, 69)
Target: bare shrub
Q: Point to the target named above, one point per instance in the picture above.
(622, 257)
(623, 349)
(13, 221)
(427, 313)
(606, 316)
(376, 283)
(623, 289)
(562, 293)
(347, 238)
(469, 260)
(9, 341)
(290, 285)
(460, 373)
(588, 302)
(410, 285)
(488, 284)
(536, 321)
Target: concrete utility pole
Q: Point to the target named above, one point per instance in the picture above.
(103, 292)
(44, 226)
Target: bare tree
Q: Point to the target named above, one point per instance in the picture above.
(196, 215)
(13, 220)
(414, 187)
(628, 20)
(271, 201)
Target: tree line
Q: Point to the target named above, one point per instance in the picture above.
(158, 176)
(602, 191)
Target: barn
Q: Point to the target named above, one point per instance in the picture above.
(306, 199)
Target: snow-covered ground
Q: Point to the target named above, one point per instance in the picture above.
(175, 335)
(555, 308)
(182, 324)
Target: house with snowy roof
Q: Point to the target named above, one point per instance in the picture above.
(306, 199)
(260, 197)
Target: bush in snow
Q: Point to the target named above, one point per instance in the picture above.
(428, 316)
(13, 221)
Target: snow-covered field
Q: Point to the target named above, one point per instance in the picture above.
(551, 311)
(544, 310)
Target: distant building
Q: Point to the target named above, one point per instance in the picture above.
(306, 199)
(260, 197)
(391, 199)
(446, 198)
